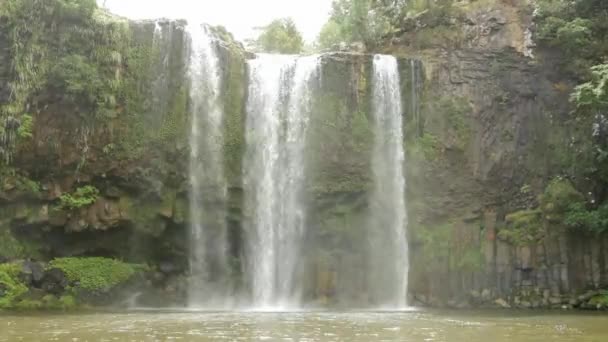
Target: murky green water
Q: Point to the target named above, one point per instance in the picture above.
(407, 326)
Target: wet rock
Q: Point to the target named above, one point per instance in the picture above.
(54, 281)
(169, 267)
(574, 302)
(486, 294)
(31, 272)
(555, 300)
(588, 295)
(502, 303)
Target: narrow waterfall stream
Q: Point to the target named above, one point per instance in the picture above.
(277, 116)
(208, 284)
(387, 232)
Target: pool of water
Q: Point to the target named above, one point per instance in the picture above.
(419, 325)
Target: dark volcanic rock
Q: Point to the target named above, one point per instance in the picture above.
(54, 281)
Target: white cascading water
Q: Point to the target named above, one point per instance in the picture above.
(208, 284)
(277, 117)
(388, 273)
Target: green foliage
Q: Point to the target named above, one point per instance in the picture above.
(577, 28)
(280, 36)
(371, 22)
(600, 299)
(63, 303)
(557, 199)
(25, 127)
(9, 178)
(69, 48)
(352, 21)
(15, 288)
(95, 273)
(523, 227)
(10, 247)
(82, 197)
(580, 217)
(592, 96)
(330, 35)
(456, 110)
(428, 147)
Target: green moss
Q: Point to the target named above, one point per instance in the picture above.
(82, 197)
(14, 287)
(95, 273)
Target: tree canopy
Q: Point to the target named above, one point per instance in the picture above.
(280, 36)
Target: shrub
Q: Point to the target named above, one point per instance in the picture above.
(14, 287)
(83, 197)
(523, 227)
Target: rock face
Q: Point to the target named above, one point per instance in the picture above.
(487, 133)
(479, 116)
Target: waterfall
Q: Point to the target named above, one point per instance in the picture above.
(277, 117)
(387, 233)
(208, 284)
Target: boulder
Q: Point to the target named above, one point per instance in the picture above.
(555, 300)
(54, 281)
(502, 303)
(169, 267)
(32, 272)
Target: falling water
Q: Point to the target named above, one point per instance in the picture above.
(389, 248)
(278, 111)
(208, 284)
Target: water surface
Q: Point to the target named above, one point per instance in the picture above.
(363, 326)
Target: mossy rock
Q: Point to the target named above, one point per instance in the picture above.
(96, 273)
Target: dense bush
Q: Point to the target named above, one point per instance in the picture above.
(13, 286)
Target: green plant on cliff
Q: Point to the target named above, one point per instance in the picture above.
(371, 22)
(82, 197)
(10, 178)
(26, 126)
(95, 273)
(558, 198)
(577, 28)
(523, 227)
(457, 110)
(13, 287)
(428, 147)
(10, 247)
(65, 50)
(280, 36)
(581, 217)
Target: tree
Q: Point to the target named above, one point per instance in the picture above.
(280, 36)
(330, 35)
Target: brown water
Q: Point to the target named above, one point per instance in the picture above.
(364, 326)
